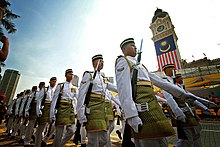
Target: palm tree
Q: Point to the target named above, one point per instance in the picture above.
(6, 17)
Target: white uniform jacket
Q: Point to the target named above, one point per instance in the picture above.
(9, 111)
(22, 108)
(27, 108)
(99, 87)
(170, 100)
(49, 95)
(123, 79)
(18, 101)
(68, 93)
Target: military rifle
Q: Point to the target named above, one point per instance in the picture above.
(44, 99)
(87, 97)
(25, 118)
(19, 117)
(56, 109)
(135, 73)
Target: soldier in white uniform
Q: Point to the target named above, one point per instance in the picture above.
(144, 110)
(188, 127)
(11, 115)
(30, 112)
(22, 114)
(17, 119)
(62, 103)
(43, 110)
(96, 123)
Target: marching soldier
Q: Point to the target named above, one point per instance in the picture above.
(62, 103)
(3, 108)
(178, 113)
(22, 114)
(30, 113)
(11, 115)
(189, 128)
(143, 110)
(43, 110)
(91, 98)
(17, 119)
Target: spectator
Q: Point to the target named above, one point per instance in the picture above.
(3, 108)
(4, 50)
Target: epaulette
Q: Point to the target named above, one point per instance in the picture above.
(46, 89)
(60, 83)
(90, 73)
(117, 59)
(164, 78)
(129, 63)
(61, 86)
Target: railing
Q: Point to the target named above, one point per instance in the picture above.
(199, 71)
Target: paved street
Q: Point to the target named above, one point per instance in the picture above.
(210, 137)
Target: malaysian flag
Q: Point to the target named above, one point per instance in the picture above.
(166, 52)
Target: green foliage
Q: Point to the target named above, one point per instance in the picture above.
(7, 18)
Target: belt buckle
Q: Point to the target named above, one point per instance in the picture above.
(145, 107)
(142, 107)
(185, 109)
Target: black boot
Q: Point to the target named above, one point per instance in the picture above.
(77, 137)
(21, 141)
(33, 138)
(43, 144)
(83, 145)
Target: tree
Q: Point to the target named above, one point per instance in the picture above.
(6, 17)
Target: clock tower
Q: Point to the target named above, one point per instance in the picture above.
(165, 40)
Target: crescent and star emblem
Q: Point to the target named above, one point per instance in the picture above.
(164, 44)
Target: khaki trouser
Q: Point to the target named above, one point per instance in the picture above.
(29, 132)
(154, 142)
(97, 138)
(193, 137)
(10, 124)
(16, 126)
(22, 128)
(111, 128)
(38, 135)
(52, 132)
(61, 140)
(83, 134)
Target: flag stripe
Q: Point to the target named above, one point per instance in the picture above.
(177, 61)
(159, 65)
(172, 56)
(168, 58)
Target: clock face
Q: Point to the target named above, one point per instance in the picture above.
(160, 28)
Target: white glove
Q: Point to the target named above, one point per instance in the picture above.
(134, 122)
(207, 112)
(39, 114)
(52, 119)
(181, 118)
(27, 114)
(84, 120)
(180, 115)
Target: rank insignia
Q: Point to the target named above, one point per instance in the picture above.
(83, 82)
(120, 69)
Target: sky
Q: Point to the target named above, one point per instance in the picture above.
(55, 35)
